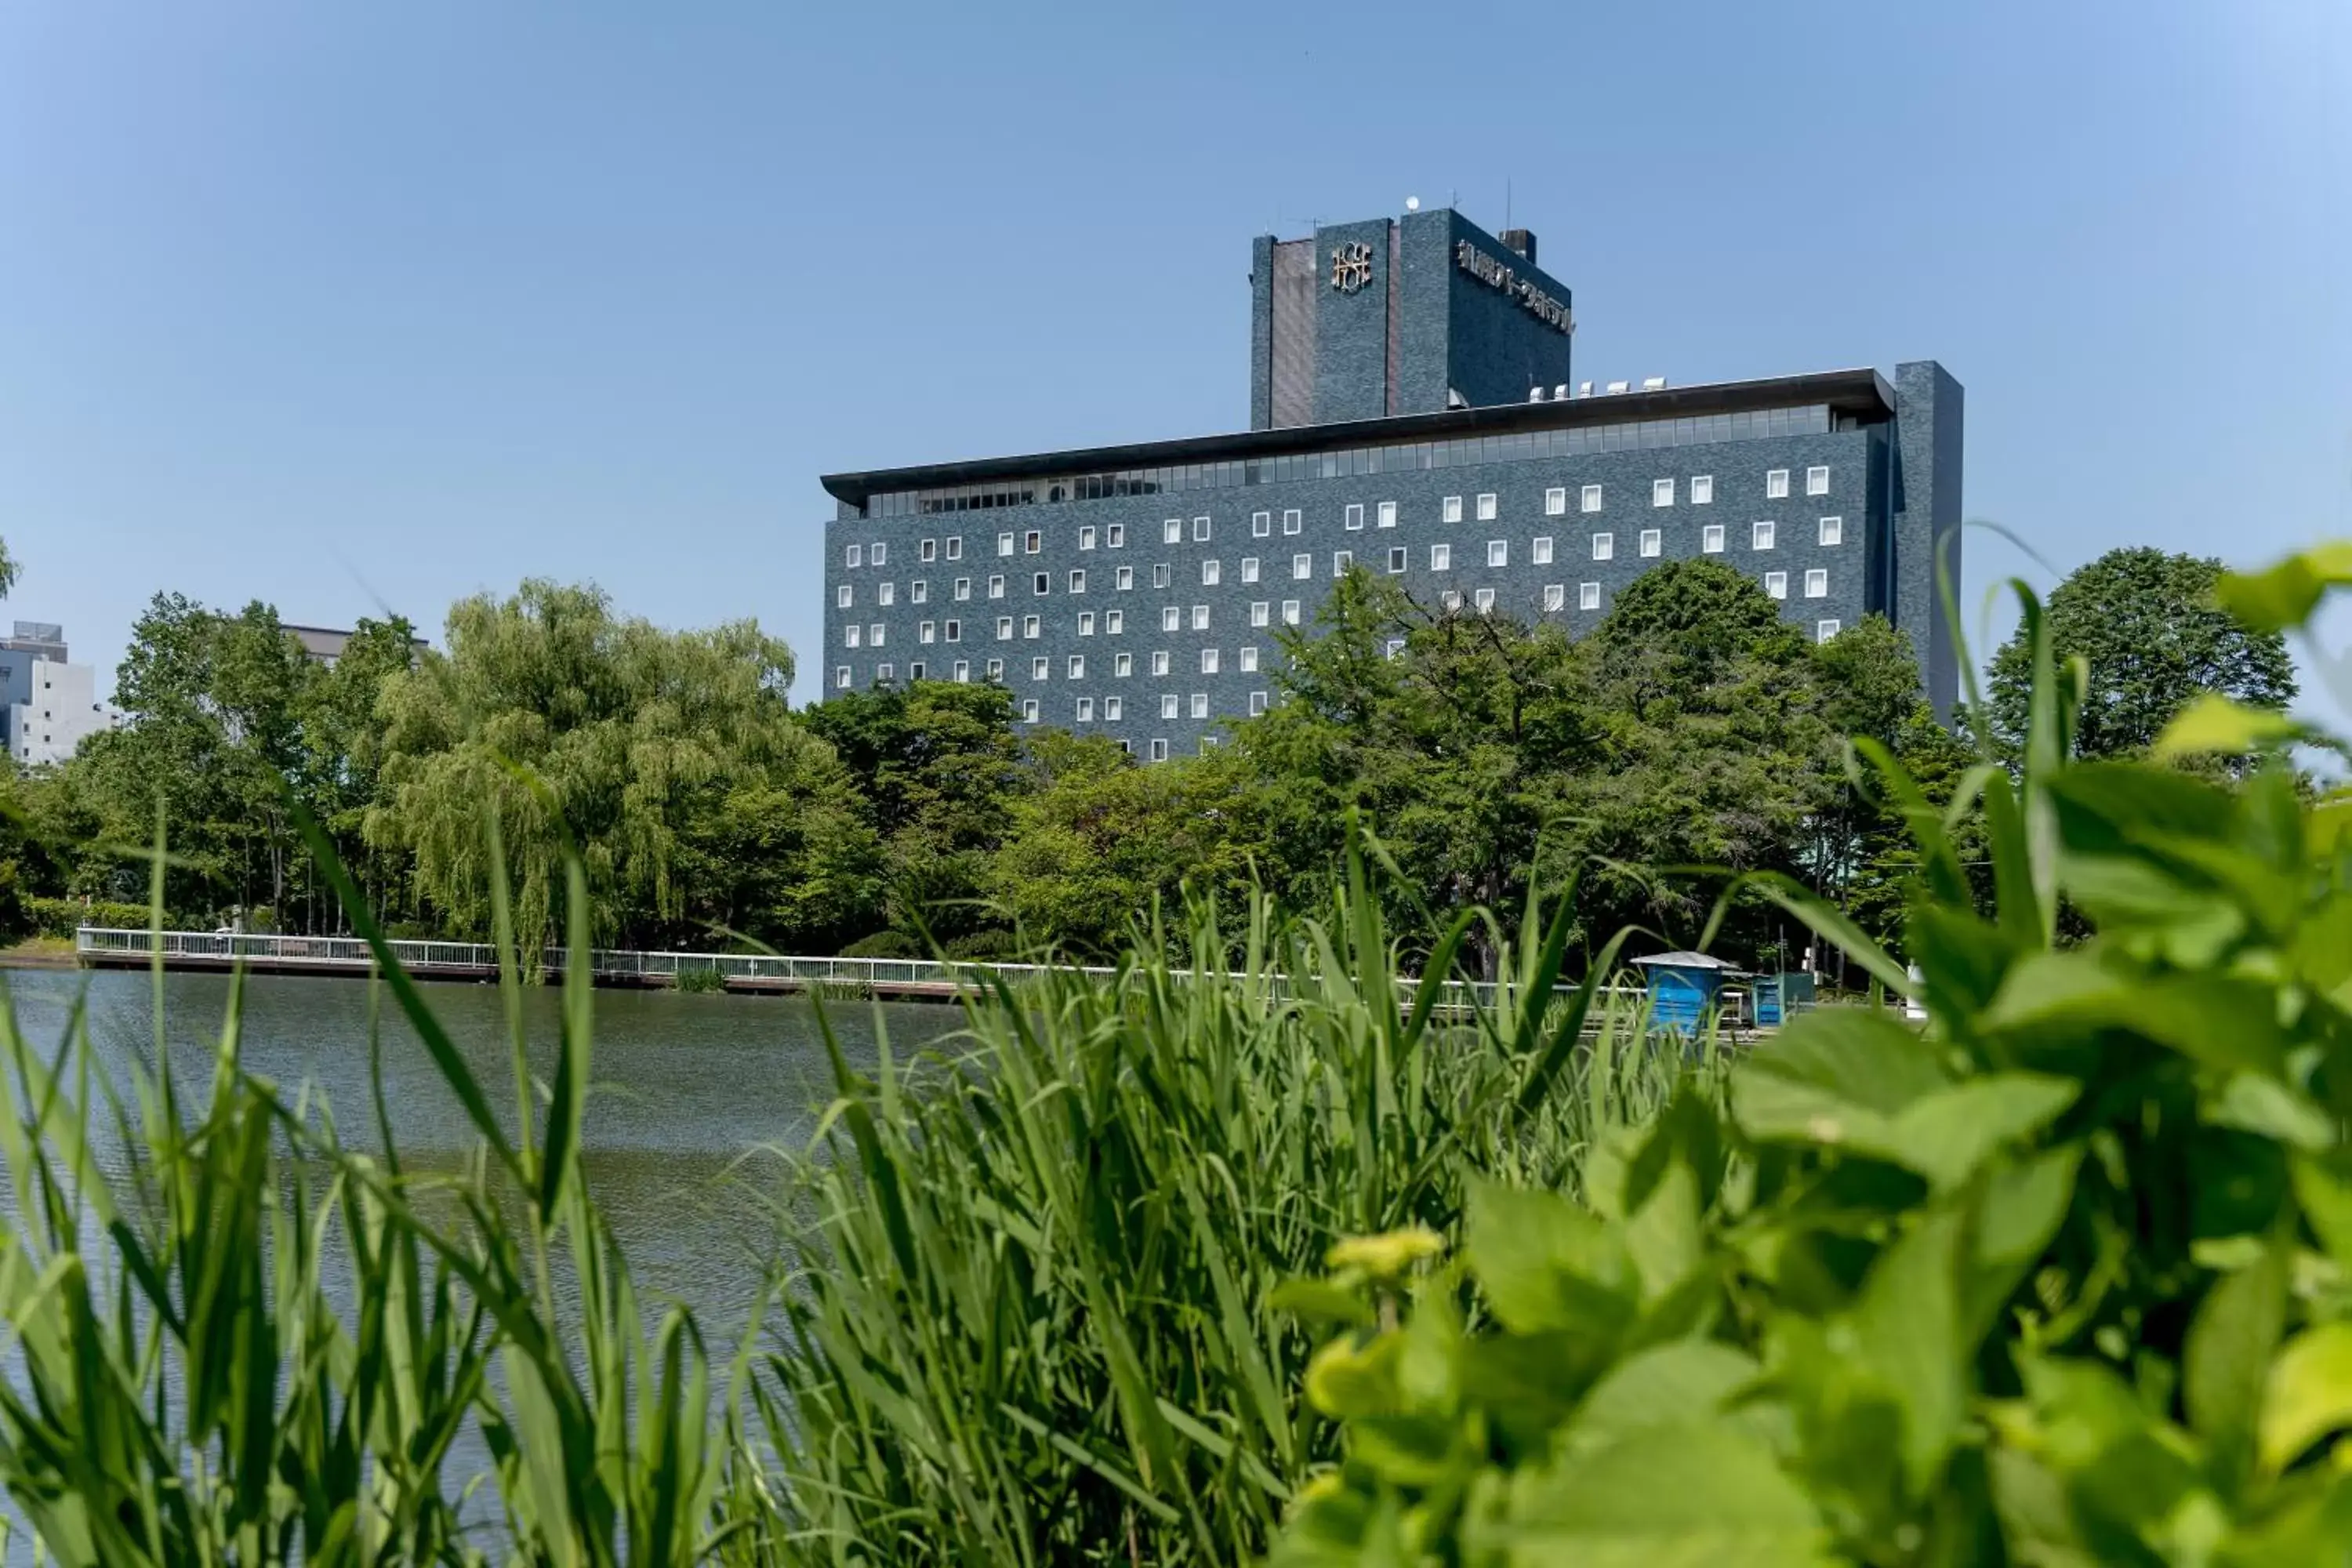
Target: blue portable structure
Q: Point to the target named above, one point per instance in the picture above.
(1683, 987)
(1779, 998)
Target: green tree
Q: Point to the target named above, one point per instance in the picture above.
(2146, 624)
(8, 570)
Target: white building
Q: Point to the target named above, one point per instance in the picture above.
(46, 704)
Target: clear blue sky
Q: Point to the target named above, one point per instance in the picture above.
(341, 307)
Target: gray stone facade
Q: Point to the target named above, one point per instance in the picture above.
(977, 604)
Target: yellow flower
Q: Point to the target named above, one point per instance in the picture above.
(1387, 1256)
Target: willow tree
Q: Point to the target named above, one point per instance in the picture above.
(551, 713)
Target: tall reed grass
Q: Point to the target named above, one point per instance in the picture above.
(1025, 1307)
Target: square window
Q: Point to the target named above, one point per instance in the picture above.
(1396, 558)
(920, 591)
(964, 670)
(996, 586)
(1200, 618)
(1653, 540)
(1485, 599)
(1604, 546)
(1556, 502)
(1030, 627)
(881, 552)
(962, 588)
(1590, 500)
(888, 593)
(927, 631)
(1004, 628)
(1824, 630)
(1588, 595)
(854, 555)
(1555, 595)
(1702, 489)
(955, 546)
(1353, 519)
(1817, 481)
(1087, 624)
(915, 671)
(1115, 536)
(1257, 703)
(1113, 707)
(1710, 539)
(1168, 706)
(1249, 568)
(1032, 542)
(1340, 561)
(995, 669)
(1201, 528)
(1041, 668)
(1172, 532)
(1291, 519)
(885, 671)
(1486, 509)
(1122, 664)
(1005, 544)
(1451, 599)
(1540, 552)
(1289, 611)
(1762, 533)
(852, 634)
(1200, 705)
(1114, 622)
(1208, 661)
(927, 550)
(1776, 484)
(1441, 557)
(1260, 612)
(1249, 659)
(1302, 566)
(874, 635)
(1171, 617)
(1085, 709)
(1832, 530)
(1086, 536)
(1125, 580)
(1662, 492)
(1388, 514)
(1160, 662)
(1498, 553)
(841, 678)
(1209, 571)
(1160, 575)
(1078, 580)
(1261, 525)
(1029, 711)
(1159, 748)
(1451, 512)
(1777, 584)
(1042, 582)
(1817, 583)
(1395, 646)
(1077, 670)
(844, 596)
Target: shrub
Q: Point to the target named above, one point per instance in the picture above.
(699, 980)
(2065, 1277)
(988, 947)
(884, 944)
(62, 916)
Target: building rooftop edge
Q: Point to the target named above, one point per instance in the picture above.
(1861, 392)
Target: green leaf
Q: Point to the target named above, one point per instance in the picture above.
(2212, 723)
(1349, 1377)
(1835, 1075)
(2268, 1107)
(1319, 1300)
(2308, 1393)
(1907, 1330)
(2230, 1346)
(1947, 1135)
(1699, 1496)
(2284, 597)
(1545, 1264)
(2213, 1020)
(1686, 1383)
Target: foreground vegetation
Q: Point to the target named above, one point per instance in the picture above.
(1694, 728)
(1196, 1266)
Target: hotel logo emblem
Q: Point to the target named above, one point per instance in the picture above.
(1351, 266)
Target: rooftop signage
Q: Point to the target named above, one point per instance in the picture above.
(1523, 291)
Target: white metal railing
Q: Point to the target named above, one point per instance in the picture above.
(352, 953)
